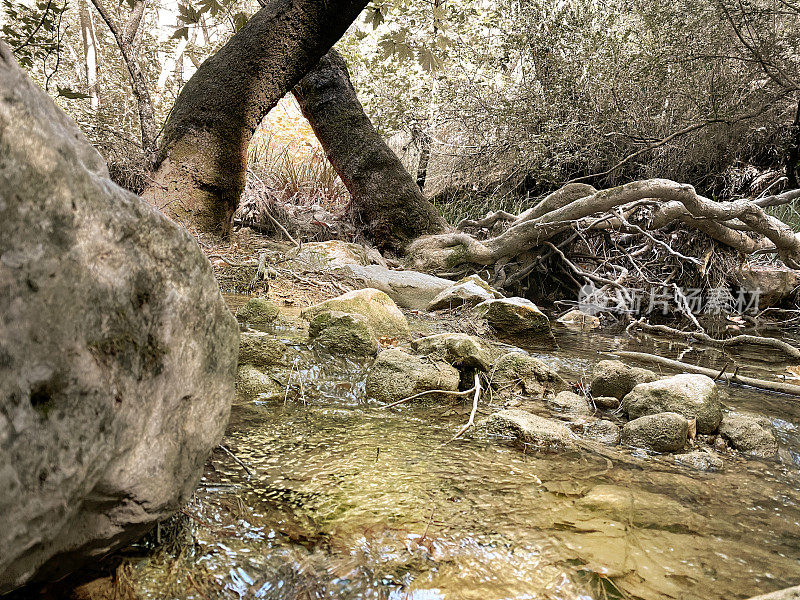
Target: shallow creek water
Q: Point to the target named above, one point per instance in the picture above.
(348, 500)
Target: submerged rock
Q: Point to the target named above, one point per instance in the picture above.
(519, 374)
(614, 378)
(529, 429)
(409, 289)
(343, 333)
(513, 316)
(700, 460)
(748, 433)
(602, 431)
(640, 508)
(117, 352)
(397, 375)
(469, 291)
(381, 312)
(255, 384)
(257, 311)
(663, 432)
(261, 350)
(459, 349)
(693, 396)
(569, 403)
(576, 319)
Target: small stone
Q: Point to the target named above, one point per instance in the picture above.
(570, 404)
(749, 433)
(699, 460)
(615, 378)
(257, 311)
(529, 429)
(459, 349)
(513, 316)
(581, 321)
(254, 384)
(469, 291)
(606, 402)
(663, 432)
(693, 396)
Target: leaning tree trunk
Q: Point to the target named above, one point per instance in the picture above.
(200, 170)
(386, 200)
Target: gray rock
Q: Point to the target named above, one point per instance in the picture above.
(117, 352)
(699, 460)
(382, 314)
(569, 403)
(516, 374)
(578, 320)
(663, 432)
(262, 350)
(257, 311)
(640, 508)
(749, 433)
(343, 333)
(459, 349)
(529, 429)
(513, 316)
(320, 256)
(255, 384)
(602, 431)
(397, 375)
(469, 291)
(606, 402)
(693, 396)
(409, 289)
(614, 378)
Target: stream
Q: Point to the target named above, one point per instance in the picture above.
(337, 497)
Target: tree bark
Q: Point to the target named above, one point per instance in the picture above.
(89, 39)
(201, 166)
(386, 200)
(126, 41)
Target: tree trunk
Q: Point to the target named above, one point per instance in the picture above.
(89, 39)
(126, 38)
(386, 200)
(201, 166)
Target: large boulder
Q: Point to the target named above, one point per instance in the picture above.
(693, 396)
(117, 352)
(382, 314)
(396, 375)
(664, 432)
(470, 290)
(748, 433)
(513, 316)
(343, 333)
(410, 289)
(516, 374)
(613, 378)
(530, 430)
(459, 349)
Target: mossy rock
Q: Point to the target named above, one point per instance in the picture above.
(262, 350)
(459, 349)
(380, 311)
(514, 316)
(343, 333)
(519, 374)
(397, 374)
(255, 384)
(257, 311)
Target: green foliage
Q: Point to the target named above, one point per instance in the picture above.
(33, 31)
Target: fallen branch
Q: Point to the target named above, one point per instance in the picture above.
(772, 386)
(471, 421)
(415, 396)
(737, 340)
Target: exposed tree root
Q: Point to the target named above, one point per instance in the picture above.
(703, 337)
(597, 235)
(772, 386)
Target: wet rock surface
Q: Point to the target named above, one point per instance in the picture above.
(396, 375)
(615, 379)
(516, 374)
(343, 333)
(257, 311)
(117, 352)
(693, 396)
(531, 430)
(380, 311)
(459, 349)
(514, 316)
(570, 404)
(700, 460)
(749, 433)
(662, 432)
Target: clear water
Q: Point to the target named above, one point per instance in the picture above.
(349, 500)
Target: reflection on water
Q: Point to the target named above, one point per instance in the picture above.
(348, 500)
